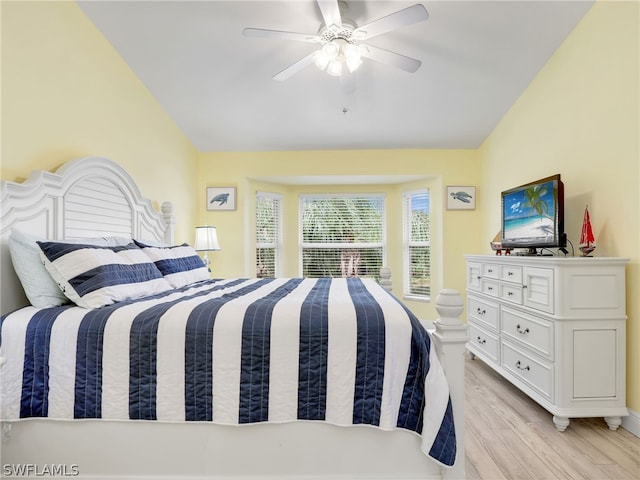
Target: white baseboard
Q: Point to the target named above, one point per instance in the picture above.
(631, 423)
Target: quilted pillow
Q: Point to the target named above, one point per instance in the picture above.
(93, 276)
(41, 290)
(180, 264)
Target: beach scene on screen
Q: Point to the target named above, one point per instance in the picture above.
(530, 212)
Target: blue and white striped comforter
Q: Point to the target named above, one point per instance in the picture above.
(342, 351)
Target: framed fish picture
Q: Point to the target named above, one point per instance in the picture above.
(461, 198)
(221, 198)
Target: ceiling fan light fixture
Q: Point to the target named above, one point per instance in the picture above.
(351, 50)
(353, 64)
(320, 59)
(352, 56)
(335, 68)
(331, 50)
(335, 54)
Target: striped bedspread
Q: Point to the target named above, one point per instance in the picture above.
(236, 351)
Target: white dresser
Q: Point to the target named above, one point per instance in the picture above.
(555, 328)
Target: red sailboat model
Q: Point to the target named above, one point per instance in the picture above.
(587, 240)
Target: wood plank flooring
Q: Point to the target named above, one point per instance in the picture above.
(510, 437)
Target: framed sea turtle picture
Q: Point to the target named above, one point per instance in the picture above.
(461, 198)
(221, 198)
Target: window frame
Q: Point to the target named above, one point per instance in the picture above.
(407, 243)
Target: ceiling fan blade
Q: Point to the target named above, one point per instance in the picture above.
(294, 68)
(330, 12)
(381, 55)
(401, 18)
(263, 33)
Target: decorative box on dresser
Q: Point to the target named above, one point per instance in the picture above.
(555, 327)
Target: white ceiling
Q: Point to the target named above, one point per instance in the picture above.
(477, 58)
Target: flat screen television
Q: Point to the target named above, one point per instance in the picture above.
(533, 216)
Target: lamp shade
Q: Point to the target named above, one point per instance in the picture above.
(206, 239)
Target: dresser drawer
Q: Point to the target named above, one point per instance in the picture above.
(484, 341)
(511, 293)
(489, 270)
(511, 273)
(536, 373)
(491, 288)
(483, 313)
(533, 332)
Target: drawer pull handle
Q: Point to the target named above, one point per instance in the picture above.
(521, 331)
(520, 367)
(491, 270)
(490, 288)
(509, 293)
(481, 312)
(481, 341)
(510, 274)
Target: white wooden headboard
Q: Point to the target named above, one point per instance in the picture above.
(86, 197)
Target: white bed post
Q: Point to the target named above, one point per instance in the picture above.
(450, 338)
(385, 278)
(170, 220)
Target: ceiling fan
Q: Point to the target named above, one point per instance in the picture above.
(340, 49)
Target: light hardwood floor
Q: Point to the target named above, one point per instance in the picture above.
(509, 436)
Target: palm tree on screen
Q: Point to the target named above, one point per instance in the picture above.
(534, 199)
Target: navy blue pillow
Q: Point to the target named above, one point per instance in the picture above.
(93, 276)
(180, 264)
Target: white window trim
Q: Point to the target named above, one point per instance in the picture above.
(406, 244)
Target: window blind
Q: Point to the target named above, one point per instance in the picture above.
(268, 234)
(342, 235)
(417, 244)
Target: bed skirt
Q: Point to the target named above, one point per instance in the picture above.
(141, 450)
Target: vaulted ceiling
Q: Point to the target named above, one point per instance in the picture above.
(477, 58)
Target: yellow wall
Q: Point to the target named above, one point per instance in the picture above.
(66, 93)
(580, 118)
(244, 170)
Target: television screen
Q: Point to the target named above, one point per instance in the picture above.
(532, 215)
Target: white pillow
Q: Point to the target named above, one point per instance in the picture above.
(180, 264)
(93, 276)
(41, 290)
(37, 284)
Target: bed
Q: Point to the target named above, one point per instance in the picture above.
(140, 365)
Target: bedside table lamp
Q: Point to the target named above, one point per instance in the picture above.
(206, 241)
